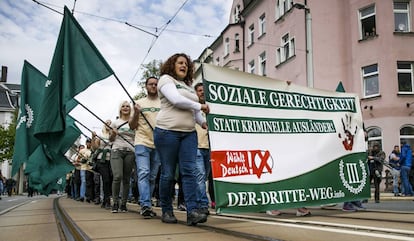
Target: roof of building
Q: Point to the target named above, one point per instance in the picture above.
(9, 96)
(13, 87)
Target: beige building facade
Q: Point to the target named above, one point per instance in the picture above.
(367, 45)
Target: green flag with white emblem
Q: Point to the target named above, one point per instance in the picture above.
(32, 83)
(76, 64)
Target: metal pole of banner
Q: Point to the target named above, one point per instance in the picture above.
(133, 102)
(89, 130)
(97, 117)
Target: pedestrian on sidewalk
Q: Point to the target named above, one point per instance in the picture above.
(376, 159)
(406, 160)
(394, 162)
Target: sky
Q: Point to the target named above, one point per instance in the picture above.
(29, 31)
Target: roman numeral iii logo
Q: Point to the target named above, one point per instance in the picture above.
(352, 173)
(353, 176)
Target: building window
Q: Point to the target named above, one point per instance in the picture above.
(407, 135)
(405, 77)
(262, 64)
(282, 6)
(251, 67)
(237, 43)
(262, 25)
(236, 14)
(374, 137)
(370, 80)
(226, 46)
(287, 48)
(367, 21)
(401, 16)
(250, 39)
(218, 61)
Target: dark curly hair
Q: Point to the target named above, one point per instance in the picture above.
(169, 67)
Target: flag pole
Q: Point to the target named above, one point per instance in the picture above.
(123, 87)
(97, 117)
(89, 130)
(133, 102)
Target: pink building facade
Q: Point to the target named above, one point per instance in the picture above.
(367, 45)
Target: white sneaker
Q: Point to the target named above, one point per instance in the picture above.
(273, 212)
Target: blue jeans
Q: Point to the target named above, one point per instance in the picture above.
(405, 172)
(202, 171)
(148, 164)
(395, 176)
(177, 147)
(83, 183)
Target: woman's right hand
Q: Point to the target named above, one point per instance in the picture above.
(205, 108)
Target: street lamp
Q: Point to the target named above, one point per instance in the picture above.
(309, 51)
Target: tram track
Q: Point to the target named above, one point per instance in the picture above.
(67, 227)
(318, 222)
(377, 230)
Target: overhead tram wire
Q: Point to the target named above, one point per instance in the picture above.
(114, 74)
(162, 29)
(43, 5)
(142, 27)
(151, 45)
(155, 40)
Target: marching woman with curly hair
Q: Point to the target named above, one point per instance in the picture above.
(175, 136)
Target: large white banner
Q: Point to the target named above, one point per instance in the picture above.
(276, 146)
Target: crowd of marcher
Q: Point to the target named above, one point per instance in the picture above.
(156, 145)
(156, 153)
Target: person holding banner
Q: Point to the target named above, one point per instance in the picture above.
(203, 161)
(175, 136)
(122, 156)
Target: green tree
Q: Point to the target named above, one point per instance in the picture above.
(7, 136)
(153, 68)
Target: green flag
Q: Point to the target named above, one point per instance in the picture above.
(47, 164)
(44, 168)
(69, 136)
(32, 83)
(76, 64)
(71, 104)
